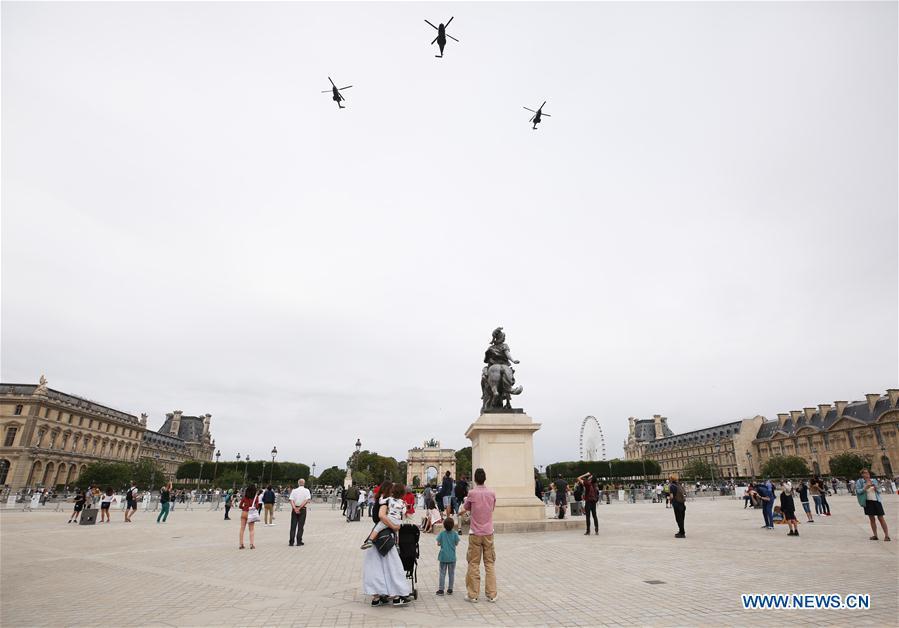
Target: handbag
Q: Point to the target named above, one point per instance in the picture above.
(253, 513)
(384, 542)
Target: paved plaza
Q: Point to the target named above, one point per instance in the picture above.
(189, 572)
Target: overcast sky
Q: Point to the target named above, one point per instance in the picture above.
(705, 228)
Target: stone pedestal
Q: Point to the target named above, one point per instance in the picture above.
(502, 443)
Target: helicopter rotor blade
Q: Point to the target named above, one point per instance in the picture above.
(435, 39)
(529, 109)
(451, 37)
(347, 87)
(432, 26)
(446, 26)
(532, 118)
(541, 106)
(545, 114)
(332, 82)
(326, 91)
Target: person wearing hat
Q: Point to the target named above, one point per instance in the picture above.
(788, 508)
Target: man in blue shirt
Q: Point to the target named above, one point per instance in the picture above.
(766, 495)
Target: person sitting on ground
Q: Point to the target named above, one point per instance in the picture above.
(396, 511)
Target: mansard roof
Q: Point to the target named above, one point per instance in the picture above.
(859, 411)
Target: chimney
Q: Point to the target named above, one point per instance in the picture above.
(809, 413)
(795, 414)
(872, 399)
(781, 419)
(176, 422)
(143, 419)
(893, 394)
(823, 409)
(631, 426)
(657, 421)
(840, 405)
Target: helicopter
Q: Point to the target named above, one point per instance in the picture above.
(441, 36)
(537, 115)
(336, 95)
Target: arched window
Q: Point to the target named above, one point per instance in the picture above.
(4, 470)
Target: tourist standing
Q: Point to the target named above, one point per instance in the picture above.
(130, 502)
(460, 491)
(867, 491)
(803, 499)
(343, 500)
(268, 505)
(352, 501)
(383, 577)
(299, 499)
(409, 498)
(360, 502)
(447, 541)
(105, 502)
(446, 491)
(822, 488)
(229, 497)
(80, 500)
(249, 514)
(591, 496)
(815, 492)
(480, 503)
(165, 496)
(659, 493)
(561, 487)
(678, 499)
(788, 508)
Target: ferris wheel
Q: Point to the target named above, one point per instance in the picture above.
(593, 445)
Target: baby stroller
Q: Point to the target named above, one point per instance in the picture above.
(408, 546)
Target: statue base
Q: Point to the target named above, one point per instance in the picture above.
(502, 443)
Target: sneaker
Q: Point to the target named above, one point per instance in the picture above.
(473, 600)
(366, 545)
(378, 601)
(450, 591)
(400, 601)
(439, 591)
(680, 536)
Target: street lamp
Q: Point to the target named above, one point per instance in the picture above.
(246, 468)
(201, 475)
(271, 474)
(216, 468)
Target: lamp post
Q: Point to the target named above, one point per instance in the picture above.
(215, 469)
(201, 476)
(271, 474)
(153, 473)
(238, 461)
(262, 477)
(246, 468)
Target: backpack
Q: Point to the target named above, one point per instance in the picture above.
(578, 492)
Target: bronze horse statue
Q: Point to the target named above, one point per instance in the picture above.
(498, 377)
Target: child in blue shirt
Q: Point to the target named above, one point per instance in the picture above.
(447, 542)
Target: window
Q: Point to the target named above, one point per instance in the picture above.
(10, 436)
(47, 413)
(59, 415)
(70, 419)
(80, 421)
(19, 408)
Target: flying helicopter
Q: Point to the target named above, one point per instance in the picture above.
(441, 36)
(336, 95)
(537, 115)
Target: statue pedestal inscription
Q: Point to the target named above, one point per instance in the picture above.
(502, 443)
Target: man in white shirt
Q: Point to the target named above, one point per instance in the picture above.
(299, 499)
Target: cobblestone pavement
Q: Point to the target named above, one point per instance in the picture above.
(189, 572)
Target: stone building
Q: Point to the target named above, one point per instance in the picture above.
(429, 457)
(47, 437)
(725, 445)
(817, 433)
(181, 438)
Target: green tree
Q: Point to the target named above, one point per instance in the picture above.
(849, 465)
(228, 479)
(370, 468)
(332, 476)
(604, 469)
(785, 467)
(463, 462)
(698, 468)
(145, 473)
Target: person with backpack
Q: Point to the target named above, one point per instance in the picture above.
(561, 496)
(446, 493)
(679, 502)
(352, 502)
(268, 505)
(130, 502)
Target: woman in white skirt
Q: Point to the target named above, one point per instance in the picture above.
(383, 577)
